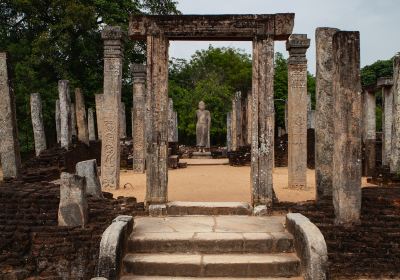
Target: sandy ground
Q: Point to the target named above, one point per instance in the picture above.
(215, 183)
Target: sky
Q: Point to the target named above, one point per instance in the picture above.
(377, 20)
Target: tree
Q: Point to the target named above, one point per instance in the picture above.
(51, 40)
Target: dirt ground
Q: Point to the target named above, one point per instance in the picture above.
(215, 184)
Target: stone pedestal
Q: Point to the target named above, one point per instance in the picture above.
(99, 114)
(157, 119)
(73, 208)
(347, 127)
(395, 154)
(57, 118)
(9, 145)
(386, 84)
(262, 142)
(37, 123)
(297, 46)
(325, 113)
(123, 121)
(110, 148)
(369, 132)
(83, 133)
(138, 117)
(91, 126)
(65, 114)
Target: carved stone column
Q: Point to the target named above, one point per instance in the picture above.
(9, 145)
(229, 131)
(110, 148)
(324, 112)
(83, 134)
(347, 135)
(369, 131)
(99, 114)
(237, 121)
(262, 143)
(58, 120)
(123, 121)
(297, 46)
(248, 117)
(386, 84)
(138, 117)
(395, 155)
(65, 114)
(37, 123)
(74, 132)
(172, 122)
(91, 126)
(157, 119)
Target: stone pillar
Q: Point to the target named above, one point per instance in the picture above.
(74, 132)
(249, 118)
(138, 117)
(9, 145)
(176, 135)
(347, 124)
(262, 142)
(110, 148)
(99, 114)
(310, 114)
(123, 121)
(286, 115)
(172, 122)
(387, 95)
(88, 170)
(369, 131)
(58, 120)
(37, 123)
(73, 207)
(395, 155)
(229, 131)
(91, 127)
(157, 119)
(237, 121)
(325, 113)
(297, 46)
(65, 114)
(83, 134)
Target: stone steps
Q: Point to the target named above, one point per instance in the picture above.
(135, 277)
(183, 208)
(212, 242)
(213, 265)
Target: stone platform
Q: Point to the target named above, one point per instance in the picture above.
(205, 161)
(207, 247)
(180, 208)
(202, 155)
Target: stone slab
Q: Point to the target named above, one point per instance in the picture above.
(179, 208)
(135, 277)
(202, 162)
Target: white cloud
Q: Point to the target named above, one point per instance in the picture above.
(377, 20)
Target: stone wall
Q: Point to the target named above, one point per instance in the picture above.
(31, 243)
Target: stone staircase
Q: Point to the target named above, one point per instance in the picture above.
(210, 247)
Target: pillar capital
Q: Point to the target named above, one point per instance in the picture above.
(384, 82)
(297, 46)
(139, 72)
(113, 37)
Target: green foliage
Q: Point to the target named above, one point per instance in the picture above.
(371, 73)
(51, 40)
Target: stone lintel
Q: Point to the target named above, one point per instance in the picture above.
(297, 46)
(112, 33)
(212, 27)
(384, 82)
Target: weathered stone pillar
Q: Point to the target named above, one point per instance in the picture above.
(91, 127)
(123, 121)
(369, 131)
(310, 114)
(347, 123)
(324, 112)
(395, 155)
(249, 117)
(110, 148)
(9, 145)
(58, 120)
(286, 115)
(386, 84)
(176, 134)
(99, 114)
(262, 143)
(83, 134)
(138, 117)
(237, 121)
(297, 46)
(229, 131)
(65, 114)
(88, 170)
(37, 123)
(172, 122)
(157, 119)
(74, 132)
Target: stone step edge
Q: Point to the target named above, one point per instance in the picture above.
(138, 277)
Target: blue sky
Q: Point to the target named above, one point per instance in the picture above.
(377, 20)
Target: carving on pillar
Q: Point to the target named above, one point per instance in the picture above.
(111, 109)
(297, 46)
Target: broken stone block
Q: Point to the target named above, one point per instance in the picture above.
(73, 208)
(88, 170)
